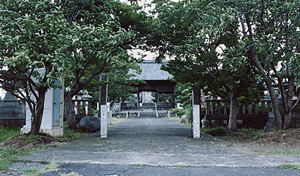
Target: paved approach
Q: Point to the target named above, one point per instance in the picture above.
(155, 142)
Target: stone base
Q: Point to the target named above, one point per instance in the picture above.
(55, 131)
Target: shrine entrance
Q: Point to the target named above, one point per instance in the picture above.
(157, 81)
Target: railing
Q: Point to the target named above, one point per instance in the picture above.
(213, 107)
(160, 106)
(219, 110)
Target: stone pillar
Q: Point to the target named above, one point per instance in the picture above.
(103, 105)
(196, 112)
(169, 113)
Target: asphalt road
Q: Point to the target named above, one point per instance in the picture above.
(153, 146)
(129, 170)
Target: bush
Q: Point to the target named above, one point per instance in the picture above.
(218, 131)
(8, 132)
(178, 112)
(189, 114)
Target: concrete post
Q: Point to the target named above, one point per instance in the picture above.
(126, 114)
(169, 114)
(196, 112)
(103, 105)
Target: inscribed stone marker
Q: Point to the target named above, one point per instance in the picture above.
(103, 105)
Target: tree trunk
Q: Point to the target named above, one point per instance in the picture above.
(278, 120)
(38, 115)
(232, 125)
(257, 64)
(70, 113)
(289, 99)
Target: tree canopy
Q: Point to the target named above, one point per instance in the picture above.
(34, 37)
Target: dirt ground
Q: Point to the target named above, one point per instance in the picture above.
(43, 140)
(285, 142)
(275, 142)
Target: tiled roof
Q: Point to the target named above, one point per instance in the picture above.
(151, 71)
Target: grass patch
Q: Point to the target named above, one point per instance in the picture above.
(8, 156)
(243, 134)
(280, 153)
(51, 167)
(139, 165)
(218, 131)
(122, 147)
(99, 141)
(290, 166)
(71, 135)
(181, 166)
(8, 132)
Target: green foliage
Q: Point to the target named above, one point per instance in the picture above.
(289, 166)
(189, 113)
(71, 135)
(252, 134)
(183, 94)
(178, 112)
(8, 132)
(162, 97)
(11, 155)
(218, 131)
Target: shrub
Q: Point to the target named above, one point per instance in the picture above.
(178, 112)
(218, 131)
(8, 132)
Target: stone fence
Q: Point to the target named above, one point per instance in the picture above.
(217, 113)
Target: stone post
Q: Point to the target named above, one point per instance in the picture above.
(169, 114)
(196, 112)
(103, 105)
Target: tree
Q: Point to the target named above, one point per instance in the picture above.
(120, 82)
(190, 32)
(120, 27)
(34, 36)
(270, 39)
